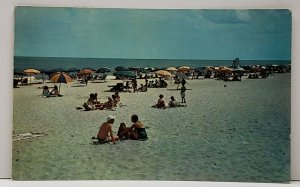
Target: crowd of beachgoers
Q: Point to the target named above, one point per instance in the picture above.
(154, 78)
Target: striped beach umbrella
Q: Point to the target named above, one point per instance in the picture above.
(60, 77)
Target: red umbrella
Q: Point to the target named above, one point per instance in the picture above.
(60, 77)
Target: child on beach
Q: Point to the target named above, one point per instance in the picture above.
(182, 93)
(54, 92)
(105, 133)
(173, 102)
(45, 92)
(160, 103)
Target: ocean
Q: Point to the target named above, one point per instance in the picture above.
(47, 63)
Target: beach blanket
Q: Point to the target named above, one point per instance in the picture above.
(28, 135)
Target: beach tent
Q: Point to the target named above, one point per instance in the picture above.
(60, 77)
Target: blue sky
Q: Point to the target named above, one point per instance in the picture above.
(153, 34)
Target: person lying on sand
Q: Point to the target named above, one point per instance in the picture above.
(160, 103)
(105, 133)
(136, 132)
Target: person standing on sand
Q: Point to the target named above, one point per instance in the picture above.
(105, 133)
(182, 93)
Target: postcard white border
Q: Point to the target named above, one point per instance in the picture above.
(6, 71)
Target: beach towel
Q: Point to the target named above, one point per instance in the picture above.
(28, 135)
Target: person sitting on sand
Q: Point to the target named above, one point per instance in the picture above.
(46, 92)
(109, 104)
(136, 132)
(123, 131)
(115, 102)
(54, 92)
(105, 133)
(160, 103)
(142, 88)
(173, 102)
(90, 105)
(96, 99)
(118, 98)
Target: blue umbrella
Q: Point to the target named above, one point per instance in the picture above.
(126, 74)
(103, 70)
(121, 68)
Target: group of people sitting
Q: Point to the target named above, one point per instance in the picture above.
(172, 103)
(157, 83)
(136, 131)
(94, 104)
(54, 92)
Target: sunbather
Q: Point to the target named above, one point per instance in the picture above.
(105, 133)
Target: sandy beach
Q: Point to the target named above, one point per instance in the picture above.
(240, 132)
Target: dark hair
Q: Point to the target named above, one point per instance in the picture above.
(45, 87)
(134, 118)
(172, 97)
(92, 95)
(113, 96)
(116, 93)
(55, 87)
(161, 96)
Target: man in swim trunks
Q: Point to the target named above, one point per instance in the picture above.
(105, 133)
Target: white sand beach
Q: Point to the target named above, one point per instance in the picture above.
(240, 132)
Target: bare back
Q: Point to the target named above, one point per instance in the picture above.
(104, 130)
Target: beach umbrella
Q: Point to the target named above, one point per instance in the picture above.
(103, 70)
(163, 73)
(127, 74)
(49, 72)
(225, 69)
(31, 72)
(86, 71)
(171, 69)
(183, 69)
(60, 77)
(121, 68)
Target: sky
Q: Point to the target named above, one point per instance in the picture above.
(153, 34)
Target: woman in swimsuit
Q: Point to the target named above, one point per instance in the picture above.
(137, 131)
